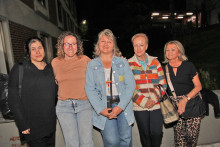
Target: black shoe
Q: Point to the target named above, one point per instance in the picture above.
(217, 114)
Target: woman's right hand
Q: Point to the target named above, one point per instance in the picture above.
(26, 131)
(182, 105)
(105, 112)
(150, 103)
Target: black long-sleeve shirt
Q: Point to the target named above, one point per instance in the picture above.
(36, 107)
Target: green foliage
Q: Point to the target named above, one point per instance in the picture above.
(207, 81)
(202, 47)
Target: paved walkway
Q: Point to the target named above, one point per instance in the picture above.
(210, 145)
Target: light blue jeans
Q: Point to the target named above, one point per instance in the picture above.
(75, 117)
(117, 132)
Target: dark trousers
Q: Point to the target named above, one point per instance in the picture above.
(150, 125)
(47, 141)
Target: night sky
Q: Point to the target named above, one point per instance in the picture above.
(125, 18)
(128, 17)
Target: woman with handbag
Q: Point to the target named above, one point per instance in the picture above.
(34, 106)
(148, 74)
(109, 86)
(184, 84)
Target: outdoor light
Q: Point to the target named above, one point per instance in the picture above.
(84, 22)
(189, 13)
(180, 17)
(155, 14)
(165, 17)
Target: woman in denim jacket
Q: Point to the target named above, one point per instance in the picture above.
(114, 122)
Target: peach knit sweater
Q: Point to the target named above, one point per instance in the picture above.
(71, 77)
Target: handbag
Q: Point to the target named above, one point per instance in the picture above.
(195, 107)
(4, 106)
(168, 110)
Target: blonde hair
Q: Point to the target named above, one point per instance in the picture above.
(180, 48)
(60, 43)
(140, 35)
(111, 36)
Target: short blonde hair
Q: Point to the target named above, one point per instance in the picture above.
(60, 43)
(180, 48)
(140, 35)
(111, 36)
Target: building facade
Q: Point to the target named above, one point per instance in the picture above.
(22, 19)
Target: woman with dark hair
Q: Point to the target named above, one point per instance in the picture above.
(73, 109)
(34, 111)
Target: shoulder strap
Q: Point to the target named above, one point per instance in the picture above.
(111, 83)
(21, 73)
(161, 95)
(169, 81)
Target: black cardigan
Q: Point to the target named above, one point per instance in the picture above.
(36, 108)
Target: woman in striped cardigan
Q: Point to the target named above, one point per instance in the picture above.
(148, 73)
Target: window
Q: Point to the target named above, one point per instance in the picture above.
(41, 7)
(47, 46)
(42, 2)
(6, 55)
(60, 11)
(60, 14)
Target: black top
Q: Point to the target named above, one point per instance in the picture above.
(36, 108)
(182, 82)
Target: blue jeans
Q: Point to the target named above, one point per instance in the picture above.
(75, 117)
(117, 132)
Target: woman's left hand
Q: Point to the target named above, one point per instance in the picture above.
(182, 105)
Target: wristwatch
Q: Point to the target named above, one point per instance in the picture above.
(188, 98)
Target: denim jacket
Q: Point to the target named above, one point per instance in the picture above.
(96, 88)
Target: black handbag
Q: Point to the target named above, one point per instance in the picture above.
(195, 107)
(4, 106)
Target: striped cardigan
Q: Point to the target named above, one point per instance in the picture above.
(146, 82)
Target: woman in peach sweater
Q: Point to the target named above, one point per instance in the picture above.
(73, 109)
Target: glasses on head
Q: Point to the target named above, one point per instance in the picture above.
(68, 44)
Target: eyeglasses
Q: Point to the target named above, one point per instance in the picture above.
(68, 44)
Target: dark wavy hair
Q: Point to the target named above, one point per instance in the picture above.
(28, 45)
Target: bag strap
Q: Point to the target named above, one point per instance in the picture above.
(20, 76)
(169, 81)
(111, 84)
(161, 95)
